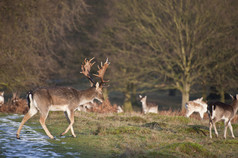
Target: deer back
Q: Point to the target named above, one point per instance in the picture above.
(220, 109)
(55, 96)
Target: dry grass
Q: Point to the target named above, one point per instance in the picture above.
(20, 107)
(105, 107)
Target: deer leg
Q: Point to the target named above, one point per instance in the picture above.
(225, 129)
(215, 128)
(71, 118)
(210, 129)
(42, 122)
(66, 115)
(29, 114)
(231, 129)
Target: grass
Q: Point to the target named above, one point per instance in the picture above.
(137, 135)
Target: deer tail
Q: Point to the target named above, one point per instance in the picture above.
(29, 98)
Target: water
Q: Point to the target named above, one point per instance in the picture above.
(33, 144)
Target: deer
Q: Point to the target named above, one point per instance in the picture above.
(1, 98)
(148, 108)
(85, 107)
(119, 109)
(220, 111)
(66, 99)
(15, 98)
(197, 105)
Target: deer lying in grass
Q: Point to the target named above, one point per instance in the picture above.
(220, 111)
(65, 99)
(15, 98)
(1, 98)
(148, 108)
(86, 107)
(119, 109)
(197, 105)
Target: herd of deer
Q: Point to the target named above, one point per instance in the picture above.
(68, 99)
(216, 111)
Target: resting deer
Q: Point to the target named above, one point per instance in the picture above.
(148, 108)
(197, 105)
(220, 111)
(15, 98)
(119, 109)
(1, 98)
(65, 99)
(85, 107)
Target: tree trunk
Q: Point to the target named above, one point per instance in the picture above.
(185, 96)
(127, 102)
(222, 95)
(204, 92)
(133, 94)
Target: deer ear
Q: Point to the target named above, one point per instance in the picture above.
(232, 97)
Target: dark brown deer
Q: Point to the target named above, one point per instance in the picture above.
(65, 99)
(220, 111)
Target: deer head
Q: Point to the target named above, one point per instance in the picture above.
(1, 93)
(86, 67)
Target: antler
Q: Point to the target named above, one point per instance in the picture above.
(102, 70)
(86, 67)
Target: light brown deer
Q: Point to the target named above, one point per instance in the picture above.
(1, 98)
(65, 99)
(119, 109)
(15, 98)
(220, 111)
(197, 105)
(148, 108)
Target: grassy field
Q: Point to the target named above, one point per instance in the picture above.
(137, 135)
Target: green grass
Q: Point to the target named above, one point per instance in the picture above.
(137, 135)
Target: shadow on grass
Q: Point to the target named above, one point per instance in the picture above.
(187, 149)
(198, 129)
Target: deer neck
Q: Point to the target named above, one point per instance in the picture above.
(144, 105)
(203, 104)
(86, 96)
(235, 106)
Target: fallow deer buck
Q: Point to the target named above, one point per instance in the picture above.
(197, 105)
(65, 99)
(220, 111)
(148, 108)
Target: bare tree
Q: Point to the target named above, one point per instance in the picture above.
(169, 38)
(29, 33)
